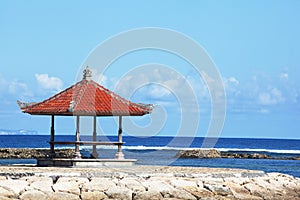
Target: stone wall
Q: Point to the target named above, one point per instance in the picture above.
(133, 184)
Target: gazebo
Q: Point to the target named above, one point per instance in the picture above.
(85, 98)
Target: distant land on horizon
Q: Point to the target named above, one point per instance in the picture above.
(18, 132)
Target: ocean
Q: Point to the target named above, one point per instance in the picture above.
(162, 151)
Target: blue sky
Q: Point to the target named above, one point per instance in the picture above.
(254, 44)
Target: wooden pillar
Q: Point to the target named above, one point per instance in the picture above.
(94, 153)
(77, 152)
(119, 154)
(52, 132)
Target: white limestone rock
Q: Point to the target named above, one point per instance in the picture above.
(64, 196)
(147, 195)
(132, 184)
(31, 179)
(68, 187)
(181, 183)
(159, 186)
(237, 180)
(7, 193)
(277, 176)
(239, 191)
(17, 186)
(213, 180)
(119, 175)
(199, 183)
(218, 188)
(79, 180)
(33, 195)
(98, 184)
(119, 193)
(57, 174)
(43, 186)
(8, 198)
(276, 185)
(167, 190)
(95, 195)
(256, 190)
(178, 194)
(199, 193)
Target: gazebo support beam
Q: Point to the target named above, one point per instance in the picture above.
(77, 152)
(119, 154)
(94, 153)
(52, 132)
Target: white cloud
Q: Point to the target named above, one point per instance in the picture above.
(2, 79)
(99, 77)
(199, 87)
(10, 91)
(162, 84)
(3, 83)
(272, 97)
(264, 111)
(277, 94)
(157, 83)
(232, 80)
(49, 83)
(265, 99)
(216, 88)
(231, 85)
(284, 76)
(16, 87)
(159, 91)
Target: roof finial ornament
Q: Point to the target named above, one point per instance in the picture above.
(87, 73)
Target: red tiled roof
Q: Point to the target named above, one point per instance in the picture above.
(86, 98)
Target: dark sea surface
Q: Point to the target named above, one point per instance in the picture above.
(162, 150)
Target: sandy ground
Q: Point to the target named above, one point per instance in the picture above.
(135, 169)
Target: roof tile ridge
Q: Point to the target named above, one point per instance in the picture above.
(51, 98)
(83, 85)
(112, 94)
(118, 97)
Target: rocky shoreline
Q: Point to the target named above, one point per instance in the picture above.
(28, 153)
(22, 153)
(213, 153)
(144, 182)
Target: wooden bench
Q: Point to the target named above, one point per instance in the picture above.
(85, 143)
(93, 143)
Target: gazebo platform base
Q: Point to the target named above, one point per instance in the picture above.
(73, 162)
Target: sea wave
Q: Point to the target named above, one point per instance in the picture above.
(283, 151)
(160, 148)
